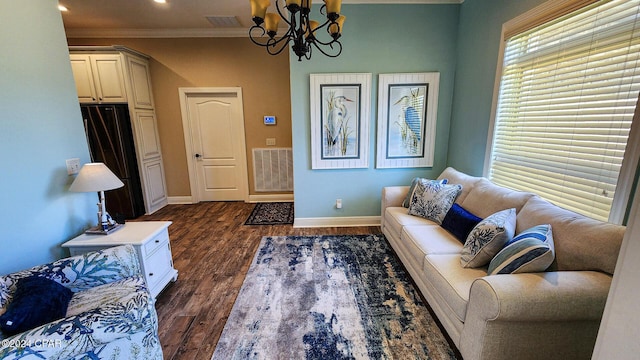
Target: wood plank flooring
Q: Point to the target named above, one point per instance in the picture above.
(212, 251)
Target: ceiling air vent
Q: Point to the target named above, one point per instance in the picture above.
(224, 21)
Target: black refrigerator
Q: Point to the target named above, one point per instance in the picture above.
(110, 138)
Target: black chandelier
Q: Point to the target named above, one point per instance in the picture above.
(302, 31)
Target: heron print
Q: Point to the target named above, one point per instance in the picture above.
(340, 121)
(406, 127)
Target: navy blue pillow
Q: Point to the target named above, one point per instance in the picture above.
(36, 301)
(460, 222)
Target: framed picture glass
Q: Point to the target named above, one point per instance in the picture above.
(340, 106)
(407, 113)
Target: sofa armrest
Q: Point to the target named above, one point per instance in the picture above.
(526, 308)
(80, 272)
(393, 196)
(554, 296)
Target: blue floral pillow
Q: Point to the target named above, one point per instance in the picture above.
(432, 199)
(407, 199)
(487, 238)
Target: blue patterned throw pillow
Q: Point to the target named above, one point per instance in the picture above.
(36, 301)
(432, 199)
(530, 251)
(487, 238)
(460, 222)
(407, 199)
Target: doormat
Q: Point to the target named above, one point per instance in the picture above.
(273, 213)
(329, 297)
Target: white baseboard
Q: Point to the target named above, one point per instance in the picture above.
(347, 221)
(271, 198)
(180, 200)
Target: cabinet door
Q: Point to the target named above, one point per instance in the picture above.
(155, 188)
(141, 94)
(81, 67)
(147, 139)
(109, 78)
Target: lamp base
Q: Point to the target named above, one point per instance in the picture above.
(98, 230)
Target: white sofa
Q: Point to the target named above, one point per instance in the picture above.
(547, 315)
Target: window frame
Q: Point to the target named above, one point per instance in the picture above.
(543, 13)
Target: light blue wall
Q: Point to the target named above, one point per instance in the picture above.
(478, 45)
(377, 39)
(40, 127)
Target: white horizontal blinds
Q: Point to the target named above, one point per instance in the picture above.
(567, 97)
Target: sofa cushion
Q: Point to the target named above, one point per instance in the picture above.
(431, 199)
(430, 239)
(488, 237)
(412, 187)
(451, 281)
(36, 301)
(487, 198)
(454, 176)
(529, 251)
(397, 217)
(460, 222)
(580, 243)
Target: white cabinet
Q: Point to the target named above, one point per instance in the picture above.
(151, 241)
(116, 74)
(99, 78)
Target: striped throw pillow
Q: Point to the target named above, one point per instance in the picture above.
(530, 251)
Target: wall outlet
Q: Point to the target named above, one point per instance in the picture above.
(338, 203)
(73, 166)
(271, 141)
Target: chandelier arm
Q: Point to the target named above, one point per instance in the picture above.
(331, 46)
(271, 46)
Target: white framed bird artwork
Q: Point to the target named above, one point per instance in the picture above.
(407, 115)
(340, 106)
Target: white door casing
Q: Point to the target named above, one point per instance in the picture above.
(213, 124)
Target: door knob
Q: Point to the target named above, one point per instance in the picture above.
(198, 156)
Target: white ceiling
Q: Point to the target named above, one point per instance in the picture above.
(175, 18)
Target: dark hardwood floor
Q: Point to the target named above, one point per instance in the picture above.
(212, 251)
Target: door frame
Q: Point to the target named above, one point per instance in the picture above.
(185, 93)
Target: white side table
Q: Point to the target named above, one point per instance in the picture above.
(151, 241)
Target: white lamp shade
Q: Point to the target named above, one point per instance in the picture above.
(95, 177)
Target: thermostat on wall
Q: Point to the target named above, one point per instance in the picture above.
(270, 120)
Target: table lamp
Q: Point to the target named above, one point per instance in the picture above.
(96, 177)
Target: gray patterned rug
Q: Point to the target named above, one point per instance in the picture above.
(272, 213)
(329, 297)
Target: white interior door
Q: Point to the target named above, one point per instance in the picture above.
(214, 137)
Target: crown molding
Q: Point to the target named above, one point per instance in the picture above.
(156, 33)
(208, 32)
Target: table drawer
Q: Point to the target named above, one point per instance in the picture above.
(159, 240)
(157, 265)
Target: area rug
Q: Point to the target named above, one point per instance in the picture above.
(329, 297)
(273, 213)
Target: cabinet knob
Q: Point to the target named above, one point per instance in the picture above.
(150, 274)
(157, 241)
(198, 155)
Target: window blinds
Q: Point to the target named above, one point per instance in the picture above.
(566, 101)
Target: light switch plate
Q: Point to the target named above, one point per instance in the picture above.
(271, 141)
(73, 166)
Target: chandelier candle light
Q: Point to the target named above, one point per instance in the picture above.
(302, 31)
